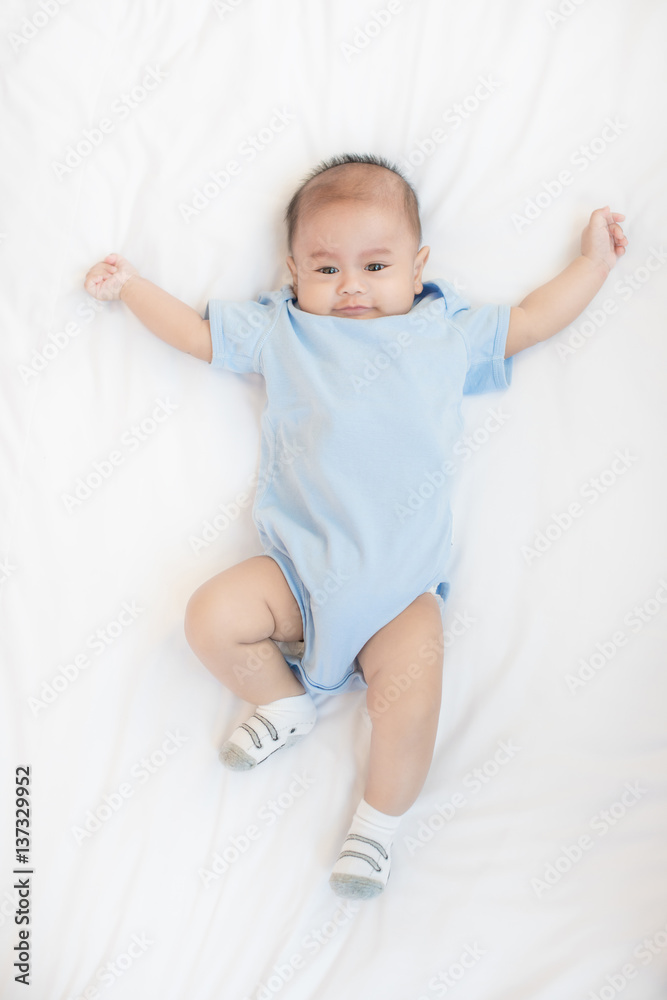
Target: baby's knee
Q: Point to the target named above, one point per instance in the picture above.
(193, 619)
(206, 619)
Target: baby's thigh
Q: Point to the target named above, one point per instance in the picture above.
(411, 642)
(247, 603)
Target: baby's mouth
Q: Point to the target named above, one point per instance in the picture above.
(353, 310)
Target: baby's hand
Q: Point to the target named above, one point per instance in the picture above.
(105, 280)
(603, 239)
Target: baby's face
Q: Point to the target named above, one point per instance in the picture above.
(356, 259)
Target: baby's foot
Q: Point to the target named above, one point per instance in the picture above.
(271, 727)
(362, 869)
(364, 863)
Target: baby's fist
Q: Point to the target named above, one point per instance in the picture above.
(603, 238)
(105, 280)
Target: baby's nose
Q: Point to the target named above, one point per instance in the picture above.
(351, 281)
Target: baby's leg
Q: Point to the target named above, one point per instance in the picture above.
(231, 623)
(402, 665)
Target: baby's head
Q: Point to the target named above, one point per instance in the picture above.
(353, 235)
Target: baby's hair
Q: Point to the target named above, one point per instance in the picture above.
(411, 202)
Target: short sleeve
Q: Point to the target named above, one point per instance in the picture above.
(239, 329)
(484, 331)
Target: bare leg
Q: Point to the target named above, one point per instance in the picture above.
(231, 622)
(402, 665)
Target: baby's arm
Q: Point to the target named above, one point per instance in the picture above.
(168, 318)
(555, 305)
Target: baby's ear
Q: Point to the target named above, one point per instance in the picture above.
(292, 268)
(420, 261)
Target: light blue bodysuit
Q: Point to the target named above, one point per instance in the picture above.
(353, 495)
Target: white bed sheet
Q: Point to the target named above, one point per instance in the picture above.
(135, 720)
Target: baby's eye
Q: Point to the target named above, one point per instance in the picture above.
(332, 270)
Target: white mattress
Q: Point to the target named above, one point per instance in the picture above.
(122, 728)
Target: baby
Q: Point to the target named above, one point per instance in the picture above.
(365, 364)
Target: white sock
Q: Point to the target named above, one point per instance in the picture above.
(363, 865)
(300, 706)
(271, 727)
